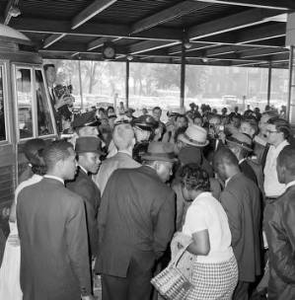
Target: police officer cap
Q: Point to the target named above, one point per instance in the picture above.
(146, 122)
(86, 119)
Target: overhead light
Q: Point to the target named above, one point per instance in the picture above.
(187, 44)
(129, 57)
(205, 59)
(14, 11)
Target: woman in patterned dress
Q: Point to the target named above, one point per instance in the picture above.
(214, 268)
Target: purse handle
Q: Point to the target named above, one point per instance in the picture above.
(177, 258)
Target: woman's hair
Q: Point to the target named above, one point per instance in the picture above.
(33, 150)
(193, 177)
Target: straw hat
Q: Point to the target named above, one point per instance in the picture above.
(195, 136)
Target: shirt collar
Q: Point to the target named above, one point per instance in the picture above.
(280, 146)
(227, 181)
(83, 169)
(242, 160)
(55, 178)
(125, 151)
(291, 183)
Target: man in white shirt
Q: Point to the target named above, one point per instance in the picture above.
(277, 132)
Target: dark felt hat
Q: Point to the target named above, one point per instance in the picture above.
(146, 122)
(242, 140)
(86, 119)
(160, 151)
(88, 144)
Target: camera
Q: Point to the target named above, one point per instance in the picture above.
(62, 90)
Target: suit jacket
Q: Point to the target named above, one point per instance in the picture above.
(241, 201)
(53, 237)
(280, 232)
(248, 171)
(119, 161)
(84, 186)
(136, 221)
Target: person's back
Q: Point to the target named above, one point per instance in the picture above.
(44, 248)
(133, 218)
(53, 235)
(241, 200)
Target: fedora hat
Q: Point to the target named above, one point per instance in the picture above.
(160, 151)
(88, 144)
(86, 119)
(195, 136)
(243, 140)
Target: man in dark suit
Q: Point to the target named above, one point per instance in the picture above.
(53, 235)
(241, 146)
(241, 201)
(136, 223)
(280, 231)
(88, 149)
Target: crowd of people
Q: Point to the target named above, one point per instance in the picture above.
(121, 196)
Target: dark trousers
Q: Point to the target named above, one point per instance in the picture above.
(241, 291)
(136, 286)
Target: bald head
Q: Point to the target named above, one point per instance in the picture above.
(123, 136)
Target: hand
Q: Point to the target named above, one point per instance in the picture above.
(181, 239)
(89, 297)
(222, 136)
(13, 240)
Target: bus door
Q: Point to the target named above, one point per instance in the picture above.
(34, 113)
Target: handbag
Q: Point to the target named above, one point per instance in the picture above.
(171, 283)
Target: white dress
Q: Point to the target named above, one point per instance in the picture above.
(10, 268)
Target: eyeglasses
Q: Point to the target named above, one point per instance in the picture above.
(271, 131)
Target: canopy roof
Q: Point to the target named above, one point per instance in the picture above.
(219, 32)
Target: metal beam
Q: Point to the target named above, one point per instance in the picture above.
(233, 22)
(7, 14)
(260, 52)
(94, 29)
(52, 39)
(78, 48)
(262, 33)
(268, 4)
(195, 47)
(221, 50)
(149, 46)
(90, 11)
(97, 43)
(181, 9)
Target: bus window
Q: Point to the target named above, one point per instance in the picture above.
(2, 116)
(45, 126)
(25, 100)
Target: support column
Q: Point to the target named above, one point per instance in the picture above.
(127, 83)
(291, 87)
(269, 83)
(80, 84)
(182, 76)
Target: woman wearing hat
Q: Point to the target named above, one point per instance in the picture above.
(10, 268)
(206, 230)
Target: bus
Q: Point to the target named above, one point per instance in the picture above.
(25, 111)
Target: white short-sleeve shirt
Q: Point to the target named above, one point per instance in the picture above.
(207, 213)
